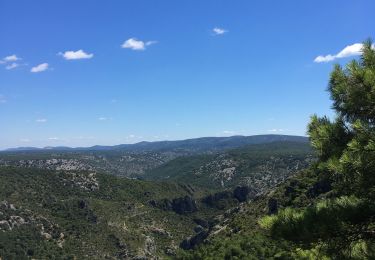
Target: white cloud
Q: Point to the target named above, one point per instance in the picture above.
(276, 130)
(11, 58)
(229, 132)
(25, 140)
(219, 31)
(102, 118)
(53, 138)
(151, 43)
(11, 66)
(136, 45)
(41, 120)
(76, 55)
(39, 68)
(350, 50)
(326, 58)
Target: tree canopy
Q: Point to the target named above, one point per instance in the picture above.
(341, 225)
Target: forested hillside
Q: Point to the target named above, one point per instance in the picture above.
(327, 211)
(132, 160)
(260, 166)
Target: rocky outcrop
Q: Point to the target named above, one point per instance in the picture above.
(214, 199)
(50, 164)
(82, 180)
(182, 205)
(192, 242)
(226, 199)
(12, 217)
(244, 193)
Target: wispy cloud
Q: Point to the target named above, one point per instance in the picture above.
(41, 120)
(136, 45)
(10, 58)
(219, 31)
(12, 66)
(103, 118)
(10, 62)
(276, 130)
(76, 55)
(229, 132)
(25, 140)
(350, 50)
(39, 68)
(53, 138)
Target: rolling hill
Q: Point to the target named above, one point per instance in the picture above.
(194, 145)
(259, 166)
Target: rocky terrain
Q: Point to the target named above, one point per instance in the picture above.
(260, 167)
(125, 164)
(54, 201)
(50, 212)
(131, 160)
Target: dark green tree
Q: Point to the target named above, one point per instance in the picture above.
(343, 226)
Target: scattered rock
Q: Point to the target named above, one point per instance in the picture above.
(170, 251)
(150, 246)
(160, 231)
(16, 221)
(46, 235)
(81, 180)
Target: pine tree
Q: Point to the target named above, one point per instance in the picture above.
(343, 226)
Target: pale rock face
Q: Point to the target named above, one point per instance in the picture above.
(128, 164)
(150, 247)
(81, 180)
(13, 217)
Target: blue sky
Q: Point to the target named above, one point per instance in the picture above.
(80, 73)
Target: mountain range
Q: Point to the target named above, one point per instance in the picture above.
(195, 144)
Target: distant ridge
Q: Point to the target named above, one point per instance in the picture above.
(194, 144)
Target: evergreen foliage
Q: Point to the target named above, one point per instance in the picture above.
(341, 227)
